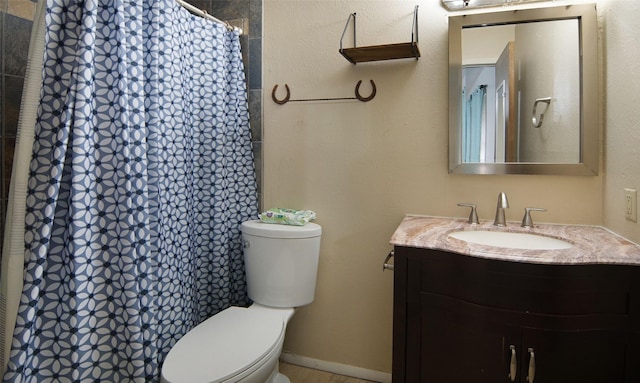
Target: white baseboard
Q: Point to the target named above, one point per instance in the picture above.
(336, 368)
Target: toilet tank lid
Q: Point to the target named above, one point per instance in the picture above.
(274, 230)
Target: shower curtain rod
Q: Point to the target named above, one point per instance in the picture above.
(206, 15)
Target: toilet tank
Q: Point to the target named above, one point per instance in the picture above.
(281, 262)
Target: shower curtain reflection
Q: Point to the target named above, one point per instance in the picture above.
(474, 125)
(141, 172)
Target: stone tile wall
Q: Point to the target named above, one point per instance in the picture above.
(16, 20)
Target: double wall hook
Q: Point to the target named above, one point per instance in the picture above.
(358, 96)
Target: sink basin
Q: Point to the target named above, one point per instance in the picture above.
(511, 240)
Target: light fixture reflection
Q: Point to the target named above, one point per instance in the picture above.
(457, 5)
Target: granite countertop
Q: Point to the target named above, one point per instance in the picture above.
(591, 244)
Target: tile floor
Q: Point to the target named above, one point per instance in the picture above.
(299, 374)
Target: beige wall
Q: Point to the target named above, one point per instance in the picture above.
(363, 166)
(621, 67)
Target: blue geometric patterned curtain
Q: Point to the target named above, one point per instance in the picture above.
(141, 173)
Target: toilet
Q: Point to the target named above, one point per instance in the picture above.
(243, 344)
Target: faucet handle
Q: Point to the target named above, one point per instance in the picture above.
(526, 220)
(473, 215)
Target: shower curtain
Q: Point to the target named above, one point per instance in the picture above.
(473, 124)
(140, 175)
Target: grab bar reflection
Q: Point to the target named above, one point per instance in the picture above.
(538, 122)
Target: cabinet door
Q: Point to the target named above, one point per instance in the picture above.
(462, 343)
(589, 356)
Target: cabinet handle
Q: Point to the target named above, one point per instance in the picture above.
(513, 366)
(532, 366)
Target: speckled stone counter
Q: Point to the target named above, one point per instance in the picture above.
(591, 244)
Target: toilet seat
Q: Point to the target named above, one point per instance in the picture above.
(225, 345)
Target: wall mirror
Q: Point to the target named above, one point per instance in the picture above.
(523, 92)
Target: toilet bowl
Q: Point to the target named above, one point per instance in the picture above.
(242, 345)
(236, 345)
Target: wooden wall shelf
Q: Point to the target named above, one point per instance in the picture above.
(381, 52)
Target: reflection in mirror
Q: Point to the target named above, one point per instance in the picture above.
(523, 92)
(515, 65)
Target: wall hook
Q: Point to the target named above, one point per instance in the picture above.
(284, 100)
(373, 92)
(358, 96)
(538, 122)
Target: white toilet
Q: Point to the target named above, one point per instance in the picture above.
(244, 344)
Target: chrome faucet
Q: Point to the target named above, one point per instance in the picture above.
(503, 203)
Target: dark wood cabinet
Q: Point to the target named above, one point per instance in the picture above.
(465, 319)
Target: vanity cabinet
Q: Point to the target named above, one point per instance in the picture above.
(460, 318)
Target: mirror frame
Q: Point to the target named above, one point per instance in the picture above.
(589, 101)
